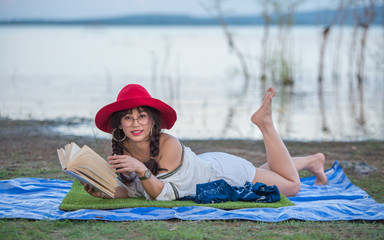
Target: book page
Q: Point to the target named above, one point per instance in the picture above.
(107, 189)
(109, 184)
(74, 149)
(87, 158)
(62, 159)
(88, 167)
(66, 155)
(84, 178)
(67, 152)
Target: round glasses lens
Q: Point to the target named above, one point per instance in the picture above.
(143, 119)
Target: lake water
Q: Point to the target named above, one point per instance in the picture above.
(64, 72)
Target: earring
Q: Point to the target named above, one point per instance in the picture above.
(113, 136)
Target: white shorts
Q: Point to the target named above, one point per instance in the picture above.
(234, 170)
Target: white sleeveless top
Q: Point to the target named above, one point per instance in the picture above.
(178, 183)
(195, 170)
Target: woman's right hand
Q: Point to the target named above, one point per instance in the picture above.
(94, 192)
(126, 164)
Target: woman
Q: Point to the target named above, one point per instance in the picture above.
(156, 165)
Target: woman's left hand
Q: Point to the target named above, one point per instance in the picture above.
(125, 164)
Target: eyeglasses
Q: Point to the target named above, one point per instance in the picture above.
(143, 119)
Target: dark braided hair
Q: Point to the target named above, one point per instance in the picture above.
(118, 147)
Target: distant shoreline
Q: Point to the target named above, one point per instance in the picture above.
(323, 17)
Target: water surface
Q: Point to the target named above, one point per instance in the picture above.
(64, 72)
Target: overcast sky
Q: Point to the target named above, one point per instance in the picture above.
(69, 9)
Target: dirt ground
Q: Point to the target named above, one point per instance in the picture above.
(28, 149)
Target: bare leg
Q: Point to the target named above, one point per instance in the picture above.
(313, 163)
(282, 171)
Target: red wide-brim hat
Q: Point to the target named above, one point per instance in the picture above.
(132, 96)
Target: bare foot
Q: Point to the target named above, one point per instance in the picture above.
(264, 114)
(316, 167)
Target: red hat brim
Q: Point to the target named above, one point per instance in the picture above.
(167, 114)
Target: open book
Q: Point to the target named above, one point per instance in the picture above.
(88, 167)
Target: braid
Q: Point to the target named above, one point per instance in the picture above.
(154, 146)
(117, 148)
(155, 141)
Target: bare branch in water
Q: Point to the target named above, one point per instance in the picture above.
(216, 9)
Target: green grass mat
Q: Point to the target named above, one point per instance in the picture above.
(77, 198)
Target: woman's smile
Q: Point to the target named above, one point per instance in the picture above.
(137, 132)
